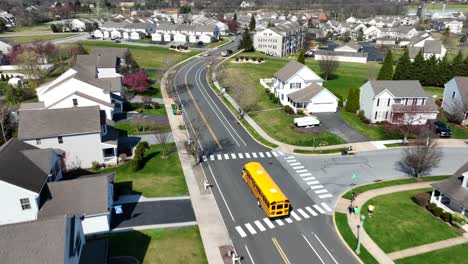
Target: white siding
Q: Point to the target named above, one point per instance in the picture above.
(366, 99)
(325, 101)
(342, 58)
(382, 104)
(10, 207)
(80, 150)
(452, 97)
(96, 224)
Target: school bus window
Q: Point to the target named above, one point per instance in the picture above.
(280, 206)
(273, 207)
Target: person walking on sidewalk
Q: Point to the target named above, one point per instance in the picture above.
(350, 208)
(356, 210)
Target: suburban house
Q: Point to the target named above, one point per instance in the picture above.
(454, 26)
(6, 44)
(345, 56)
(182, 33)
(58, 240)
(25, 171)
(397, 102)
(79, 24)
(81, 133)
(281, 40)
(349, 47)
(7, 19)
(430, 48)
(456, 97)
(372, 32)
(452, 194)
(292, 77)
(400, 32)
(313, 99)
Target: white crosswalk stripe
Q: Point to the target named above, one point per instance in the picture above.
(251, 229)
(241, 231)
(325, 196)
(279, 222)
(226, 156)
(301, 171)
(212, 157)
(313, 182)
(261, 155)
(305, 174)
(274, 153)
(321, 191)
(312, 212)
(316, 187)
(233, 155)
(281, 153)
(288, 220)
(291, 160)
(268, 154)
(293, 214)
(290, 157)
(240, 156)
(298, 167)
(295, 164)
(306, 216)
(268, 223)
(308, 178)
(260, 226)
(254, 155)
(219, 157)
(247, 155)
(324, 205)
(319, 209)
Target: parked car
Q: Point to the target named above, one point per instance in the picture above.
(226, 53)
(306, 121)
(440, 128)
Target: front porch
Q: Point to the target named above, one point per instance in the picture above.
(446, 203)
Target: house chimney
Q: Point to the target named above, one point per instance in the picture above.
(465, 180)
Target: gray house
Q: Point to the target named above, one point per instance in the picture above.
(452, 194)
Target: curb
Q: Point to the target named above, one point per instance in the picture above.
(343, 241)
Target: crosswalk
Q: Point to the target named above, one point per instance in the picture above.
(297, 215)
(243, 155)
(308, 178)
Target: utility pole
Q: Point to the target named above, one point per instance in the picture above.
(361, 226)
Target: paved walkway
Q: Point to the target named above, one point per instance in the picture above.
(210, 222)
(370, 245)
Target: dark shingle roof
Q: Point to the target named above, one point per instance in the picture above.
(304, 95)
(59, 122)
(452, 187)
(399, 88)
(41, 241)
(8, 41)
(24, 165)
(86, 195)
(288, 70)
(433, 46)
(462, 83)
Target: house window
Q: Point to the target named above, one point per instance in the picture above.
(38, 141)
(397, 101)
(388, 104)
(453, 95)
(423, 101)
(375, 115)
(378, 102)
(415, 101)
(386, 115)
(295, 85)
(406, 102)
(25, 204)
(109, 152)
(60, 139)
(75, 102)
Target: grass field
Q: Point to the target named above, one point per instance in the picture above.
(36, 29)
(40, 38)
(452, 255)
(171, 246)
(399, 223)
(459, 131)
(439, 6)
(158, 178)
(135, 128)
(373, 132)
(451, 53)
(384, 184)
(348, 236)
(438, 92)
(216, 44)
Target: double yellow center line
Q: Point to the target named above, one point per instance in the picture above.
(281, 251)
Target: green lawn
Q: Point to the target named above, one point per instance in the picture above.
(451, 53)
(373, 132)
(325, 151)
(348, 236)
(399, 223)
(384, 184)
(158, 178)
(459, 132)
(255, 135)
(171, 246)
(216, 44)
(3, 87)
(129, 128)
(435, 91)
(452, 255)
(439, 6)
(35, 29)
(40, 38)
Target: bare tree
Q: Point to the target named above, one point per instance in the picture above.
(408, 120)
(29, 65)
(454, 111)
(243, 91)
(328, 66)
(6, 122)
(163, 138)
(423, 157)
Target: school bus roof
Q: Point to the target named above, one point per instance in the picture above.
(265, 182)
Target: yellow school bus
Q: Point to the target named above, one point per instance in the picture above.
(270, 197)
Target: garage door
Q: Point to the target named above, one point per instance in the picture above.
(321, 108)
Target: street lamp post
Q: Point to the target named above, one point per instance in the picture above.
(360, 226)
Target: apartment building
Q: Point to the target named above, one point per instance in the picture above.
(280, 40)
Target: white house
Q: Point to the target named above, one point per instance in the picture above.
(397, 102)
(81, 133)
(6, 44)
(456, 97)
(206, 38)
(126, 35)
(293, 77)
(98, 34)
(115, 34)
(192, 39)
(81, 25)
(25, 170)
(168, 37)
(281, 40)
(158, 37)
(313, 99)
(180, 37)
(137, 35)
(349, 47)
(372, 32)
(344, 56)
(430, 48)
(452, 194)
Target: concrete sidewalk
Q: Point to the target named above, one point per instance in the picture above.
(369, 244)
(213, 231)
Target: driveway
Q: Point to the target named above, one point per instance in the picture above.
(333, 123)
(373, 52)
(135, 117)
(154, 213)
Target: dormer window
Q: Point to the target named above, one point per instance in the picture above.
(75, 102)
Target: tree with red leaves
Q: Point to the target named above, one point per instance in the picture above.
(137, 81)
(232, 24)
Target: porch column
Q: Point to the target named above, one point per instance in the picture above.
(439, 200)
(432, 195)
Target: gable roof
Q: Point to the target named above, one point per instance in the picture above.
(86, 195)
(24, 165)
(453, 186)
(399, 88)
(306, 94)
(288, 70)
(352, 45)
(59, 122)
(8, 41)
(462, 84)
(433, 46)
(41, 241)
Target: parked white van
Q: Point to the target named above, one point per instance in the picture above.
(306, 121)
